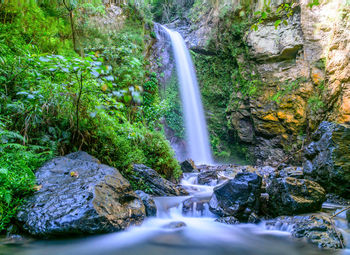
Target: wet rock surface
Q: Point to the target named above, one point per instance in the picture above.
(316, 229)
(327, 158)
(238, 197)
(79, 196)
(188, 166)
(150, 205)
(208, 177)
(228, 220)
(157, 185)
(289, 196)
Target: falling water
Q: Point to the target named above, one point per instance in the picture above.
(195, 124)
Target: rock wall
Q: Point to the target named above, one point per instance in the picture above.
(303, 69)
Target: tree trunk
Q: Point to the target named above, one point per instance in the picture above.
(71, 19)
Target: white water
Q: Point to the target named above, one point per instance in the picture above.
(195, 124)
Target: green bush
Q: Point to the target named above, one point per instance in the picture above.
(17, 163)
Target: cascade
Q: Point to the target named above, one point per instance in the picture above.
(195, 124)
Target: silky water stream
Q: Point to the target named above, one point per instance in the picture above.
(184, 225)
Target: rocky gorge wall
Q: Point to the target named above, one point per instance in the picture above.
(277, 84)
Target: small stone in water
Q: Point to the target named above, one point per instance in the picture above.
(175, 225)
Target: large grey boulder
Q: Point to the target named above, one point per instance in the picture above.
(154, 183)
(238, 197)
(289, 196)
(270, 43)
(77, 196)
(317, 229)
(327, 158)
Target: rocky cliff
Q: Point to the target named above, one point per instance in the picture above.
(279, 83)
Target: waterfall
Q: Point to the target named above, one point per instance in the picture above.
(195, 124)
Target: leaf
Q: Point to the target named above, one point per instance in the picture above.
(253, 27)
(127, 98)
(277, 23)
(263, 15)
(94, 73)
(37, 187)
(285, 22)
(44, 59)
(104, 87)
(257, 13)
(109, 78)
(8, 197)
(74, 174)
(3, 171)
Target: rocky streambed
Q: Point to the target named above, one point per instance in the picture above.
(215, 209)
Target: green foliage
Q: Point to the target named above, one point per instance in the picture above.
(173, 113)
(166, 11)
(53, 102)
(16, 172)
(283, 12)
(315, 103)
(35, 26)
(286, 88)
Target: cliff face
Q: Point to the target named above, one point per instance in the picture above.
(303, 69)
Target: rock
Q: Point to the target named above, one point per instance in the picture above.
(157, 185)
(316, 229)
(230, 220)
(327, 158)
(238, 197)
(269, 43)
(188, 166)
(254, 218)
(288, 196)
(207, 178)
(296, 172)
(175, 225)
(79, 196)
(150, 205)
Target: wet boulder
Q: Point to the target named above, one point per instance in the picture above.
(155, 183)
(327, 158)
(207, 178)
(188, 166)
(238, 197)
(318, 230)
(150, 205)
(289, 196)
(77, 196)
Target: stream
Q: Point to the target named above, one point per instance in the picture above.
(177, 231)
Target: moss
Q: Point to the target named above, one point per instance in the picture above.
(173, 113)
(228, 72)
